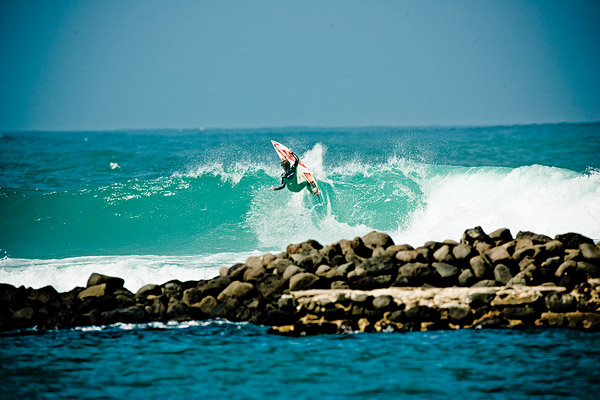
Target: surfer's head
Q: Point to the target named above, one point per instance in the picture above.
(285, 164)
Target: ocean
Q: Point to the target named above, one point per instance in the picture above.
(154, 205)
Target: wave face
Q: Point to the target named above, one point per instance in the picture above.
(180, 204)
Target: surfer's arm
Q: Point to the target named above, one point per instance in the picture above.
(282, 184)
(296, 162)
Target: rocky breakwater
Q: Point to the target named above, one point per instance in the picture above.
(367, 284)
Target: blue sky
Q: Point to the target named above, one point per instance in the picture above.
(90, 65)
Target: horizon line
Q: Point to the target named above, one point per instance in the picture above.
(310, 127)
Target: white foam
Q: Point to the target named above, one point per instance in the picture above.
(536, 198)
(65, 274)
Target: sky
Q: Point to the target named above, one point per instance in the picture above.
(103, 65)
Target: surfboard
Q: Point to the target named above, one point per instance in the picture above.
(303, 173)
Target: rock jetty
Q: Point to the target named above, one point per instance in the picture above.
(368, 284)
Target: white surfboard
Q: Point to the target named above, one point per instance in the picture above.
(303, 173)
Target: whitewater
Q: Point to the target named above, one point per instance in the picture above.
(151, 206)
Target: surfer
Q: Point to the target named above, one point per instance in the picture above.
(289, 179)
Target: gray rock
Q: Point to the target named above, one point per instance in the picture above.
(291, 270)
(520, 313)
(24, 314)
(377, 239)
(303, 281)
(445, 270)
(147, 290)
(93, 291)
(415, 274)
(462, 251)
(207, 305)
(376, 266)
(502, 274)
(443, 254)
(112, 283)
(409, 256)
(589, 252)
(286, 303)
(497, 255)
(481, 269)
(235, 290)
(458, 313)
(191, 296)
(254, 273)
(280, 265)
(254, 262)
(466, 278)
(322, 270)
(382, 302)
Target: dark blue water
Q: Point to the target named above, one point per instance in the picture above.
(224, 360)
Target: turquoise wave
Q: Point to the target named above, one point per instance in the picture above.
(212, 208)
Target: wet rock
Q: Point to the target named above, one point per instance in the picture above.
(177, 309)
(112, 283)
(459, 313)
(377, 239)
(502, 274)
(158, 306)
(382, 302)
(565, 267)
(206, 305)
(214, 286)
(376, 266)
(415, 274)
(132, 314)
(422, 313)
(270, 286)
(560, 302)
(520, 313)
(590, 252)
(573, 320)
(237, 271)
(534, 237)
(303, 281)
(191, 296)
(147, 290)
(308, 261)
(235, 290)
(23, 314)
(573, 240)
(173, 289)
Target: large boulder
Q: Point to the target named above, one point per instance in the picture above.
(382, 265)
(416, 274)
(590, 252)
(534, 237)
(112, 283)
(235, 290)
(93, 291)
(377, 239)
(302, 281)
(148, 290)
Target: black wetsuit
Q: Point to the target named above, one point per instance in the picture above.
(289, 179)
